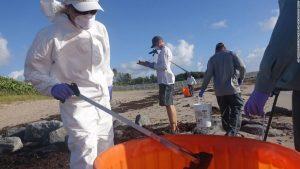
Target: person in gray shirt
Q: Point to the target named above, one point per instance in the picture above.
(228, 72)
(280, 67)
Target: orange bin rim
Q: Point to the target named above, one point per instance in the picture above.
(228, 153)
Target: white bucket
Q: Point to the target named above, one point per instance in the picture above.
(203, 114)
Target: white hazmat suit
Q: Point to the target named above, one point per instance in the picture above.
(63, 53)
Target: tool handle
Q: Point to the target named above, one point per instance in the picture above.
(276, 93)
(75, 89)
(172, 146)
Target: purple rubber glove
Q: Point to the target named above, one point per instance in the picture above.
(110, 88)
(240, 81)
(256, 103)
(61, 92)
(149, 64)
(201, 93)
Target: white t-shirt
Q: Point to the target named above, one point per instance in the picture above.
(191, 81)
(163, 67)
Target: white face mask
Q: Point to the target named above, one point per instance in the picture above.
(85, 21)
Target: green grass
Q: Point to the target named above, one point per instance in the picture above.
(14, 98)
(12, 90)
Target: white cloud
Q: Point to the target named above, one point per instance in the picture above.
(219, 24)
(200, 66)
(4, 52)
(136, 70)
(253, 59)
(17, 75)
(270, 23)
(183, 53)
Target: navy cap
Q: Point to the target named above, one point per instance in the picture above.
(155, 40)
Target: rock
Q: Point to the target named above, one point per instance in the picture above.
(142, 120)
(187, 105)
(282, 126)
(58, 136)
(255, 129)
(10, 144)
(119, 125)
(16, 132)
(275, 133)
(251, 122)
(39, 131)
(118, 134)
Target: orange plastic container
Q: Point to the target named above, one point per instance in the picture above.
(228, 153)
(186, 92)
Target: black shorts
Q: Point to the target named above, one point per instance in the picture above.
(166, 94)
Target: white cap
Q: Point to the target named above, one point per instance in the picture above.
(84, 5)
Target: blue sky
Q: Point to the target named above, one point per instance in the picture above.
(191, 28)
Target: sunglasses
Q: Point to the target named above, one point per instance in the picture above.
(92, 12)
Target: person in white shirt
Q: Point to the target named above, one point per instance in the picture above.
(165, 79)
(191, 82)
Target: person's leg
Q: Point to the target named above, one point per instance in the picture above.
(191, 89)
(80, 121)
(167, 100)
(296, 119)
(172, 114)
(161, 94)
(236, 105)
(225, 109)
(105, 128)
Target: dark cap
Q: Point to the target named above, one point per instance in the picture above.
(219, 46)
(155, 39)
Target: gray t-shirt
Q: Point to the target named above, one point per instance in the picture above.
(225, 68)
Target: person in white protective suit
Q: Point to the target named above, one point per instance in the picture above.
(75, 49)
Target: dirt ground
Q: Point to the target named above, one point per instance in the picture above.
(129, 104)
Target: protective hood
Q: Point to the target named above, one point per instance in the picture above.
(52, 8)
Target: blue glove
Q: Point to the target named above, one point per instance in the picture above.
(256, 103)
(201, 93)
(149, 64)
(110, 88)
(240, 81)
(61, 92)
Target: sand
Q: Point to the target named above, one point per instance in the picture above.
(132, 103)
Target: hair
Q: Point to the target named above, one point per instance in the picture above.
(219, 47)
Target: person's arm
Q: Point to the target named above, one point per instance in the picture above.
(281, 50)
(107, 69)
(208, 75)
(38, 64)
(239, 65)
